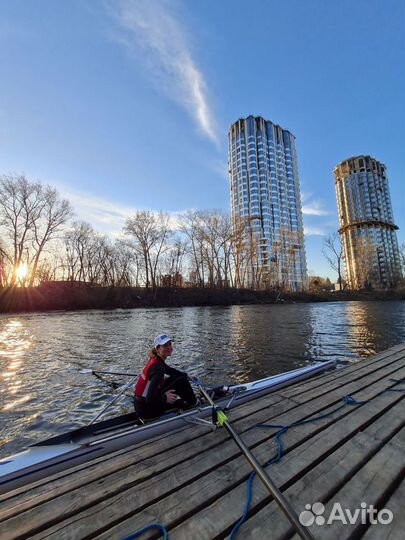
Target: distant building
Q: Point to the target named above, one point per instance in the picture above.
(367, 229)
(266, 205)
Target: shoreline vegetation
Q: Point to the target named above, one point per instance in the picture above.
(73, 296)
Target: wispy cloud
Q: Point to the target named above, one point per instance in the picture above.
(105, 216)
(315, 231)
(150, 28)
(314, 208)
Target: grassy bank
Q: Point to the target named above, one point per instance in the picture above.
(73, 297)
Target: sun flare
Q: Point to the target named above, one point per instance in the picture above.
(22, 271)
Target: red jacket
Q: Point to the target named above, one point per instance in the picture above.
(142, 385)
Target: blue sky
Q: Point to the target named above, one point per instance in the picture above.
(126, 105)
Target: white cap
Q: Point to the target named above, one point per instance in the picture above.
(161, 340)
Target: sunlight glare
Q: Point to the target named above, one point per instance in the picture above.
(22, 271)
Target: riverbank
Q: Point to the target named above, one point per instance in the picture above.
(67, 296)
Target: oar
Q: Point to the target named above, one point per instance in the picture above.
(261, 473)
(132, 381)
(96, 372)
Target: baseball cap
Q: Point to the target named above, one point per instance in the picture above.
(161, 340)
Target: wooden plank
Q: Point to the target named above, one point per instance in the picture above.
(314, 454)
(394, 530)
(166, 485)
(368, 485)
(350, 375)
(376, 362)
(323, 480)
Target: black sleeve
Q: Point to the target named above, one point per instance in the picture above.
(154, 394)
(173, 372)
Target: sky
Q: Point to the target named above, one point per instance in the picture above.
(126, 105)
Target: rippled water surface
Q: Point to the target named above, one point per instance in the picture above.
(42, 355)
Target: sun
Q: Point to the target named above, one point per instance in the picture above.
(22, 271)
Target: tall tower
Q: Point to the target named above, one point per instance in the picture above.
(266, 205)
(367, 230)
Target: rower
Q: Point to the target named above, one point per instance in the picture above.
(162, 388)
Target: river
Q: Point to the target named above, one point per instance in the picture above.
(43, 355)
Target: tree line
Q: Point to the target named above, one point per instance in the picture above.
(40, 241)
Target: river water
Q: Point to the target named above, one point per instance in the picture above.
(42, 355)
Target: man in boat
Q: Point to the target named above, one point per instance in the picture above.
(160, 387)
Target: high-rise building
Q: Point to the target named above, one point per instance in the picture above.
(266, 205)
(367, 229)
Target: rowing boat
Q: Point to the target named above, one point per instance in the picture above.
(81, 445)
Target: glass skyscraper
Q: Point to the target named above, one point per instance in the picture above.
(367, 229)
(266, 205)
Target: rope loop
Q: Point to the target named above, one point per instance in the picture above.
(349, 400)
(281, 430)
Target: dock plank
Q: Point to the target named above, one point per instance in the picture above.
(322, 481)
(395, 530)
(321, 451)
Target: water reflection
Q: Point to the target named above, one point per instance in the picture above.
(268, 339)
(42, 355)
(15, 342)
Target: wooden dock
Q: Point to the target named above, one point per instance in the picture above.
(194, 481)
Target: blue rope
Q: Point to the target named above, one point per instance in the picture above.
(347, 400)
(242, 520)
(136, 534)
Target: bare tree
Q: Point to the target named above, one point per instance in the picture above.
(364, 263)
(240, 255)
(210, 238)
(5, 261)
(150, 234)
(55, 212)
(126, 263)
(30, 216)
(93, 258)
(219, 235)
(20, 203)
(333, 252)
(191, 227)
(87, 254)
(172, 265)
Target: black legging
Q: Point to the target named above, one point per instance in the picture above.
(178, 382)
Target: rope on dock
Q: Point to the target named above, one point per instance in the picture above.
(347, 400)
